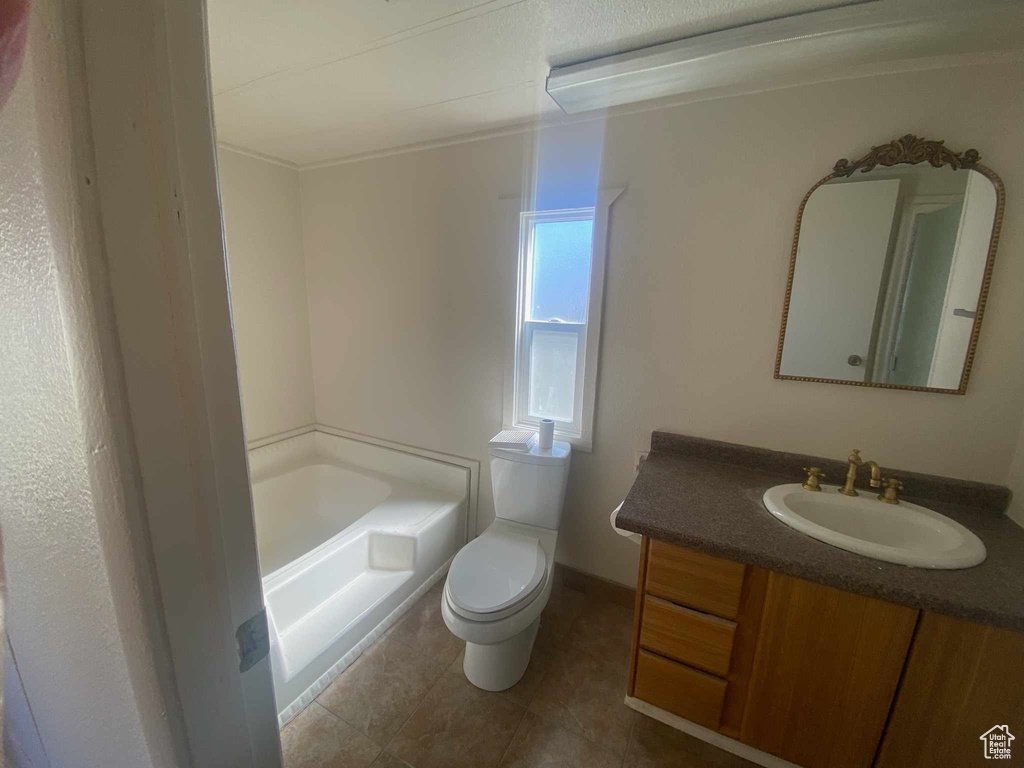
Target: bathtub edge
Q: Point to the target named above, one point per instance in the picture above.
(307, 697)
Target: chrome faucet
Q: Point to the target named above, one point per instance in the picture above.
(851, 473)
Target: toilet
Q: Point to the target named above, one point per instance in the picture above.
(499, 583)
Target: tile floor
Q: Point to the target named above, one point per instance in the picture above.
(405, 703)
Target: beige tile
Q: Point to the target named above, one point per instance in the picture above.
(656, 745)
(523, 692)
(563, 608)
(387, 760)
(603, 630)
(584, 694)
(318, 739)
(382, 688)
(457, 726)
(542, 744)
(424, 629)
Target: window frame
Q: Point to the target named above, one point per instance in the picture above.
(579, 432)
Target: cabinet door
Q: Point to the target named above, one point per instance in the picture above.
(962, 679)
(825, 671)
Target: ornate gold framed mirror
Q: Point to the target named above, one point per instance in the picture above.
(890, 270)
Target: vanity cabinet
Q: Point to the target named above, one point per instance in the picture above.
(825, 673)
(961, 679)
(697, 619)
(815, 675)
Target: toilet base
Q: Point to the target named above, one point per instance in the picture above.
(499, 666)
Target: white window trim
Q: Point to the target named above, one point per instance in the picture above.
(579, 434)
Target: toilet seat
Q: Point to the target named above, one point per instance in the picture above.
(495, 575)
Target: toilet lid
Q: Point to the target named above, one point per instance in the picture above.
(495, 571)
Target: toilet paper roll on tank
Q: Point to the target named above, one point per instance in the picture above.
(546, 434)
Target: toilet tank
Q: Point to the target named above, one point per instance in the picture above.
(529, 484)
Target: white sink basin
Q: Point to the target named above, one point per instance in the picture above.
(902, 533)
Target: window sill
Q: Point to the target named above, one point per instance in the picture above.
(577, 443)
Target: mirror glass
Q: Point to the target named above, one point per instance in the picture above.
(887, 278)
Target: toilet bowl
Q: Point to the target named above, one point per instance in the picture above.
(499, 583)
(496, 588)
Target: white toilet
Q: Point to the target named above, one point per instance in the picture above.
(499, 583)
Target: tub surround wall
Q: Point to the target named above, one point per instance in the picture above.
(450, 474)
(411, 287)
(263, 229)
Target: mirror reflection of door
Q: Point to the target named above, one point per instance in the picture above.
(964, 289)
(844, 240)
(887, 277)
(930, 256)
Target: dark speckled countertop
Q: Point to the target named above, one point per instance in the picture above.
(706, 495)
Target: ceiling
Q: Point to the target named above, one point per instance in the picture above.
(313, 81)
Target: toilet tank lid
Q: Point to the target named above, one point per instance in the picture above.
(557, 455)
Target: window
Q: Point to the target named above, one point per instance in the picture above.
(552, 366)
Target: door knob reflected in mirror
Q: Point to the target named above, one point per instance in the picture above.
(855, 360)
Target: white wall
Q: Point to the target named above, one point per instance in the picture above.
(81, 613)
(410, 287)
(263, 229)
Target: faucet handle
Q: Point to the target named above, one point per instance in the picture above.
(813, 475)
(854, 456)
(893, 485)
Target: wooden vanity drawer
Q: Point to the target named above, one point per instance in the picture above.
(697, 639)
(693, 579)
(681, 690)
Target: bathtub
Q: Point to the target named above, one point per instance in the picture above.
(349, 536)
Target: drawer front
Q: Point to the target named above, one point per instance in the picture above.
(693, 579)
(681, 690)
(697, 639)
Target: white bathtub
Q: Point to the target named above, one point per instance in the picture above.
(349, 534)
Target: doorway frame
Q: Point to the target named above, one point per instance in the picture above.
(152, 136)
